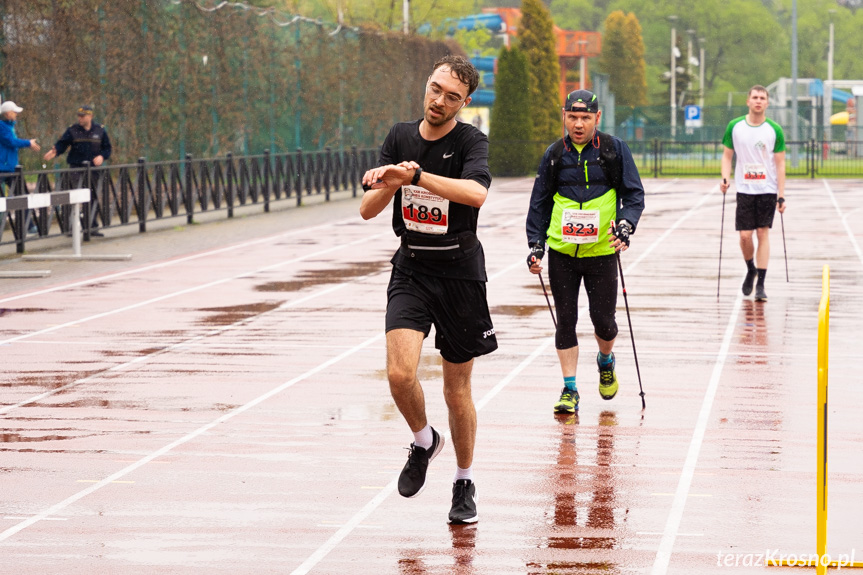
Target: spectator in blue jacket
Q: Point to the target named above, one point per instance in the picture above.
(10, 143)
(86, 141)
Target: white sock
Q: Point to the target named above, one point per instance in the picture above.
(463, 473)
(424, 437)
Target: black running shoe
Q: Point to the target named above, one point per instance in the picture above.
(748, 281)
(463, 503)
(760, 294)
(412, 480)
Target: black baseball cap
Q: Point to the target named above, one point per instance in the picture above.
(85, 109)
(581, 101)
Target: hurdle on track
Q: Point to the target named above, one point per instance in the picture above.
(821, 559)
(71, 197)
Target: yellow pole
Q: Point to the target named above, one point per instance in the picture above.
(822, 561)
(823, 341)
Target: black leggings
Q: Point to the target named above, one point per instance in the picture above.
(600, 281)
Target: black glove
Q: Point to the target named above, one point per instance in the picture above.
(537, 251)
(622, 231)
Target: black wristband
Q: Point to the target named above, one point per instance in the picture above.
(416, 179)
(780, 201)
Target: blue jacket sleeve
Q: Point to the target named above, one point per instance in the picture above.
(106, 145)
(541, 203)
(8, 139)
(631, 197)
(64, 142)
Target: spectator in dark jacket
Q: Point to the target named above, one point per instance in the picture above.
(10, 143)
(86, 141)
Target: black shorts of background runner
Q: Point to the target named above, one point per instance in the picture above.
(457, 308)
(599, 273)
(755, 211)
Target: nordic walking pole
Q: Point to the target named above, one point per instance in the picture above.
(721, 230)
(782, 221)
(631, 334)
(548, 301)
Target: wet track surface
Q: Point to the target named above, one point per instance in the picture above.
(218, 404)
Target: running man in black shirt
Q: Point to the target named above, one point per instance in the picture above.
(435, 172)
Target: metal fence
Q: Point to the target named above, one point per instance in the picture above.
(663, 158)
(146, 191)
(808, 158)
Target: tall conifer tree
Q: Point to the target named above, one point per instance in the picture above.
(537, 40)
(511, 125)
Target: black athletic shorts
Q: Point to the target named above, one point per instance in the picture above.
(457, 308)
(755, 211)
(599, 274)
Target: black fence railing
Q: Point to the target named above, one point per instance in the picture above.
(808, 158)
(660, 158)
(146, 191)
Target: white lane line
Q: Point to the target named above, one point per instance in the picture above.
(125, 471)
(179, 260)
(191, 341)
(186, 291)
(369, 507)
(54, 509)
(217, 251)
(16, 518)
(657, 533)
(666, 544)
(844, 221)
(199, 287)
(179, 345)
(674, 226)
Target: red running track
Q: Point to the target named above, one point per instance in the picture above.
(220, 406)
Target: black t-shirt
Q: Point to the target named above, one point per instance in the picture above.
(461, 154)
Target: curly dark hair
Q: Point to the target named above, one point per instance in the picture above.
(463, 70)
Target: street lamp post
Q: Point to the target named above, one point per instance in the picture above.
(794, 80)
(701, 74)
(690, 35)
(830, 49)
(673, 99)
(828, 87)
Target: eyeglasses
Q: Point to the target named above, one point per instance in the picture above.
(449, 98)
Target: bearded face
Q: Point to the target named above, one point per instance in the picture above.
(445, 96)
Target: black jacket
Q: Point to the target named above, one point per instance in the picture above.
(84, 145)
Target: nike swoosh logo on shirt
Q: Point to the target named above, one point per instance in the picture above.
(445, 156)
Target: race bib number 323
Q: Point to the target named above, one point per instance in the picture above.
(423, 211)
(580, 226)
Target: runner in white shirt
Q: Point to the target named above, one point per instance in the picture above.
(759, 175)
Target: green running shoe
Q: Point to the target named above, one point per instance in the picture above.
(607, 379)
(568, 402)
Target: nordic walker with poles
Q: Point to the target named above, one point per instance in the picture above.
(586, 202)
(759, 175)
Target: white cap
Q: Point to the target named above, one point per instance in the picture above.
(10, 106)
